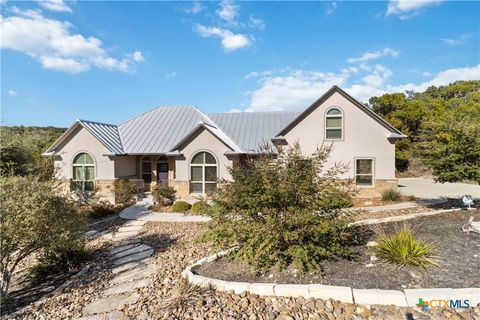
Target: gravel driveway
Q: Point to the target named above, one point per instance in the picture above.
(428, 189)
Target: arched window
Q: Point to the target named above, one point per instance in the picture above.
(203, 173)
(334, 124)
(83, 172)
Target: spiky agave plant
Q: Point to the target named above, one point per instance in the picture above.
(402, 249)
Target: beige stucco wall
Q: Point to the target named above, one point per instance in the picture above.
(83, 141)
(125, 167)
(202, 141)
(363, 137)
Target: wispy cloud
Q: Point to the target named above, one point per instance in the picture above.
(332, 7)
(256, 23)
(12, 93)
(54, 5)
(457, 41)
(229, 40)
(197, 7)
(228, 12)
(371, 55)
(170, 75)
(52, 43)
(406, 9)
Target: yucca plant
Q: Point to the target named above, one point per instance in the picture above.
(391, 195)
(402, 249)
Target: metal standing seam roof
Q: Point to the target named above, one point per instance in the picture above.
(250, 130)
(107, 134)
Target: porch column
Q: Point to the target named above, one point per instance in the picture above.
(154, 171)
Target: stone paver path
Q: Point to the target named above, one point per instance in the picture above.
(140, 212)
(132, 268)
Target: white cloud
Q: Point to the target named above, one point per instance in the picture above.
(367, 56)
(255, 22)
(332, 8)
(12, 93)
(457, 41)
(229, 40)
(406, 9)
(196, 8)
(54, 5)
(297, 89)
(55, 47)
(228, 12)
(234, 110)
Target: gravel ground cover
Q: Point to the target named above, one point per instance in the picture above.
(459, 265)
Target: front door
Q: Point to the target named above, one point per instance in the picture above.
(162, 172)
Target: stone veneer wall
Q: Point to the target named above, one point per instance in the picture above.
(182, 187)
(376, 190)
(105, 189)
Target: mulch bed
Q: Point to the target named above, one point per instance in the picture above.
(459, 264)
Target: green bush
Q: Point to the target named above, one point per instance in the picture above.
(391, 195)
(402, 249)
(35, 220)
(201, 207)
(283, 210)
(181, 206)
(125, 190)
(163, 194)
(102, 210)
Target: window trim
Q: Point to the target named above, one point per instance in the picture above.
(342, 128)
(202, 165)
(73, 165)
(363, 174)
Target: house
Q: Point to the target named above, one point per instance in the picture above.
(190, 150)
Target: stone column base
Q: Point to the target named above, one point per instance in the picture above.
(378, 187)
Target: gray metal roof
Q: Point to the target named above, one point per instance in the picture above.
(107, 134)
(252, 129)
(160, 129)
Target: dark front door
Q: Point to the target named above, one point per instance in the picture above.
(162, 172)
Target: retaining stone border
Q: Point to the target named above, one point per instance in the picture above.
(405, 298)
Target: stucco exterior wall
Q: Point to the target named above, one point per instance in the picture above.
(125, 167)
(83, 141)
(202, 141)
(363, 137)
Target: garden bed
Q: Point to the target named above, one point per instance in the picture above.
(458, 267)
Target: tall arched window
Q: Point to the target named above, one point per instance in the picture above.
(83, 172)
(203, 173)
(334, 124)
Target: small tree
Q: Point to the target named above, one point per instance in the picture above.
(283, 210)
(163, 194)
(125, 190)
(34, 220)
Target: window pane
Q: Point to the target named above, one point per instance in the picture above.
(88, 186)
(210, 187)
(198, 159)
(78, 173)
(364, 180)
(210, 173)
(334, 122)
(89, 173)
(197, 174)
(197, 188)
(77, 185)
(364, 166)
(334, 133)
(210, 159)
(334, 111)
(147, 177)
(88, 159)
(146, 167)
(79, 159)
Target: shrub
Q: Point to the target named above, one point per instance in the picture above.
(200, 207)
(181, 206)
(163, 194)
(101, 209)
(125, 190)
(391, 195)
(283, 210)
(402, 249)
(34, 220)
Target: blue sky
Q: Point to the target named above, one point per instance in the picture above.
(109, 61)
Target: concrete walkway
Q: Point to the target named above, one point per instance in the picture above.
(140, 212)
(428, 189)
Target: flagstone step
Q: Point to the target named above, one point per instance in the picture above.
(134, 274)
(131, 265)
(129, 228)
(127, 286)
(118, 249)
(114, 315)
(133, 250)
(110, 303)
(126, 235)
(133, 257)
